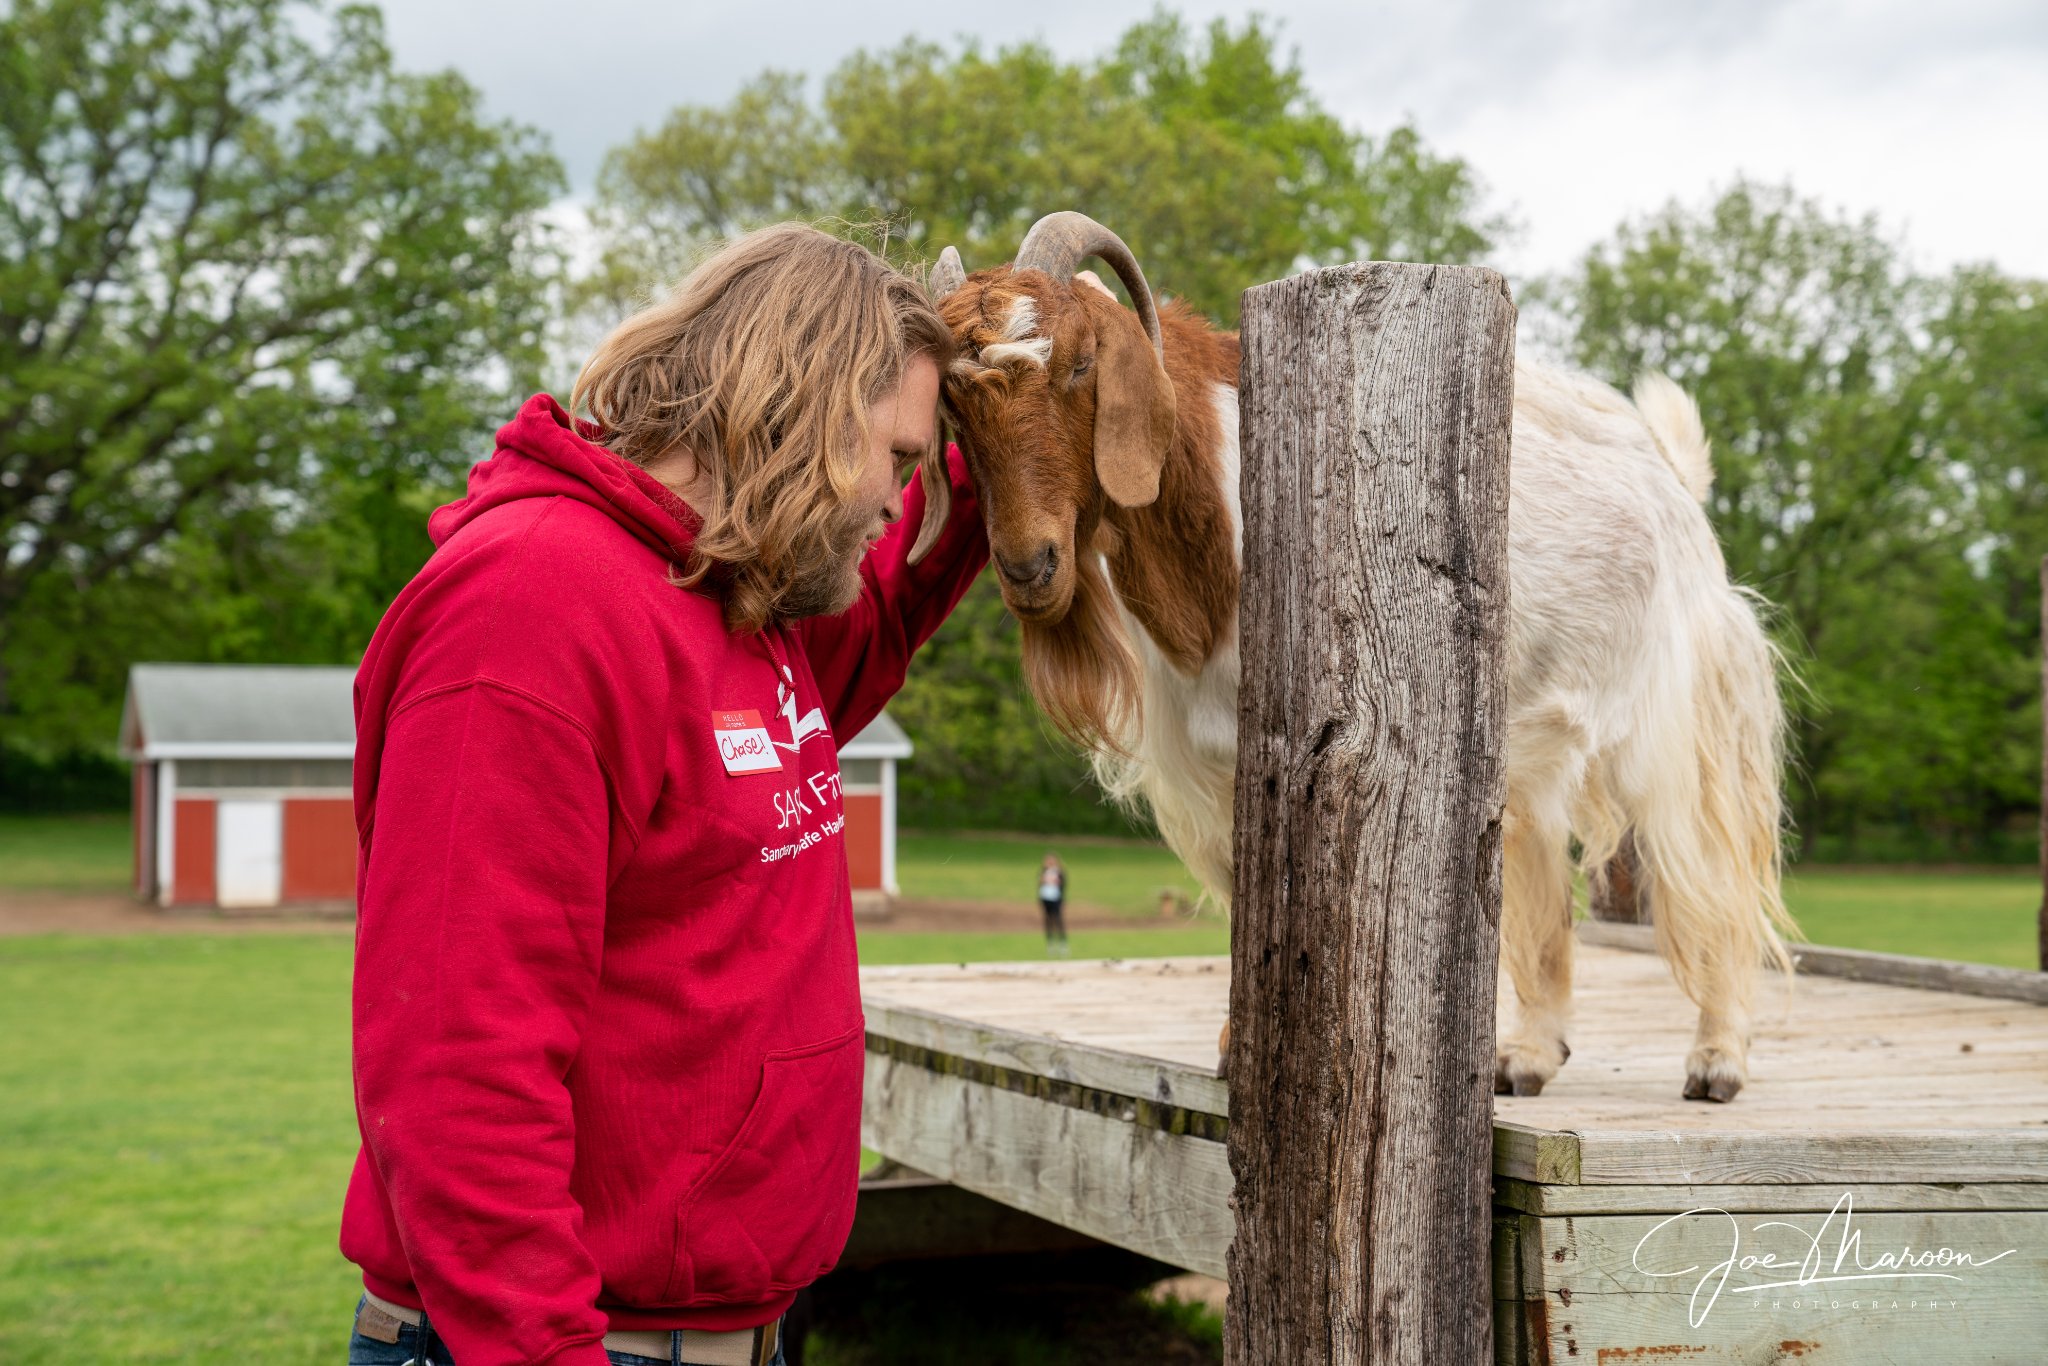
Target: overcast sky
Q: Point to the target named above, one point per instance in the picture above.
(1576, 113)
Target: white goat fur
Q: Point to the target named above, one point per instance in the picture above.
(1642, 696)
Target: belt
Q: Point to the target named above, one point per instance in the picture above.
(380, 1319)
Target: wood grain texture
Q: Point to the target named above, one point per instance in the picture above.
(1163, 1195)
(1375, 411)
(1644, 1288)
(1529, 1197)
(1036, 1016)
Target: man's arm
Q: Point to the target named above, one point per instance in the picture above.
(859, 657)
(477, 955)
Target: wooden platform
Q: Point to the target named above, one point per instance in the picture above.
(1879, 1118)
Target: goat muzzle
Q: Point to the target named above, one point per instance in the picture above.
(1034, 572)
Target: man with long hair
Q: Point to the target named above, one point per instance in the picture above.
(608, 1041)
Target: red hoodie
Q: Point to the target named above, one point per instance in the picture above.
(608, 1035)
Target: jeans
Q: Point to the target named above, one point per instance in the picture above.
(422, 1346)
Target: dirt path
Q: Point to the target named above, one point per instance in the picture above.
(117, 913)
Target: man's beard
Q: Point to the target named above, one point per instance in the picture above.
(829, 582)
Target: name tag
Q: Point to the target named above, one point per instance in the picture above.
(743, 742)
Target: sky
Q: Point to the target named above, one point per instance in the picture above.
(1576, 114)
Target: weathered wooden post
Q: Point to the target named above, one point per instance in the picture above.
(1617, 890)
(1375, 413)
(2041, 918)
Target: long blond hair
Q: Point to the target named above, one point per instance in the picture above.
(763, 363)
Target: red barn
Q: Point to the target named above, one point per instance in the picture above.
(242, 792)
(242, 789)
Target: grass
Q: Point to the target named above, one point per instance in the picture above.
(1124, 877)
(174, 1145)
(1976, 917)
(178, 1131)
(1983, 917)
(78, 853)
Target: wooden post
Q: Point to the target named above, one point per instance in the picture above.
(2041, 919)
(1617, 890)
(1375, 413)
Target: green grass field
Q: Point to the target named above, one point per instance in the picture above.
(176, 1130)
(1126, 878)
(65, 853)
(1984, 917)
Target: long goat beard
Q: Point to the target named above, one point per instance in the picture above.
(1082, 668)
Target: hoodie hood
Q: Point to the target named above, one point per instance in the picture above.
(544, 453)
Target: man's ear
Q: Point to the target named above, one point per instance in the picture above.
(1134, 404)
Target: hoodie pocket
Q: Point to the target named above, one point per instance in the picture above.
(772, 1211)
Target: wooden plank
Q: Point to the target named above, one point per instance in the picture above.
(1532, 1154)
(1164, 1195)
(1864, 965)
(1062, 1060)
(1601, 1302)
(1374, 421)
(1531, 1197)
(1612, 1157)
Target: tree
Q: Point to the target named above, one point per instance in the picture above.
(1878, 443)
(259, 292)
(1205, 151)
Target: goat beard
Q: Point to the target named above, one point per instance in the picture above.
(1082, 669)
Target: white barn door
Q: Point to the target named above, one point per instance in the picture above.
(251, 852)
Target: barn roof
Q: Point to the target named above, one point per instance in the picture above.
(290, 711)
(239, 711)
(881, 738)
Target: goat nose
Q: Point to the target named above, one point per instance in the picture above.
(1028, 573)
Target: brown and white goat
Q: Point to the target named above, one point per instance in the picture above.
(1643, 693)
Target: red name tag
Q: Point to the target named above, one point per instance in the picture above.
(743, 742)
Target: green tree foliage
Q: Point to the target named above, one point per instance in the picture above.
(1204, 149)
(1880, 442)
(262, 297)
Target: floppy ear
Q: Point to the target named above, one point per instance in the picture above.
(938, 494)
(1133, 404)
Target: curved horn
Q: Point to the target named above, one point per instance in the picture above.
(1059, 242)
(947, 276)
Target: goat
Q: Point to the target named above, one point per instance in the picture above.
(1643, 696)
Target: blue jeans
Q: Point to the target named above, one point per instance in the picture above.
(422, 1346)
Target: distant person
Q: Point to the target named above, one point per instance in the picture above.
(608, 1041)
(1052, 899)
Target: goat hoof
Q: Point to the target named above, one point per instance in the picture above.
(1521, 1070)
(1712, 1075)
(1720, 1090)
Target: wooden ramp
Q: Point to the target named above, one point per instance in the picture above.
(1882, 1183)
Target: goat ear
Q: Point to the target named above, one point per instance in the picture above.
(1134, 405)
(938, 497)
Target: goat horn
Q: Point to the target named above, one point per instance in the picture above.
(1059, 242)
(947, 276)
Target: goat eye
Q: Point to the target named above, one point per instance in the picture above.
(1081, 366)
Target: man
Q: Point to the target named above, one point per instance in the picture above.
(608, 1037)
